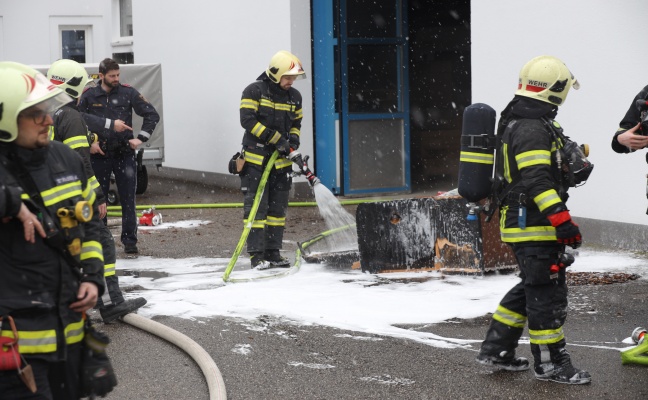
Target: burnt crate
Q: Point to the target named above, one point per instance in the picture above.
(426, 234)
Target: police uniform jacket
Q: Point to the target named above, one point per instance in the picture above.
(38, 283)
(100, 110)
(527, 160)
(269, 113)
(70, 129)
(630, 120)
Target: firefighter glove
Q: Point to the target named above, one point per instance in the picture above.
(97, 374)
(283, 147)
(567, 232)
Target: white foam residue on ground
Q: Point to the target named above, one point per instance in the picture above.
(351, 300)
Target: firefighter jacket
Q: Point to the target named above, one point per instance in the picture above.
(70, 128)
(630, 120)
(100, 109)
(527, 161)
(268, 115)
(39, 281)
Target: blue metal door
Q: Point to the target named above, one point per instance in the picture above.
(361, 95)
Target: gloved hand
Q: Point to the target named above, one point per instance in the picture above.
(283, 147)
(97, 375)
(567, 232)
(294, 141)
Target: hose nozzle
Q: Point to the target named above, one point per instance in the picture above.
(302, 164)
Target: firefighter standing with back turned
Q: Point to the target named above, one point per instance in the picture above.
(70, 128)
(52, 267)
(535, 221)
(271, 114)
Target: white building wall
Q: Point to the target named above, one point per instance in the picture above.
(210, 51)
(604, 46)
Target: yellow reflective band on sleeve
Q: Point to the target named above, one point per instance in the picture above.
(547, 199)
(534, 157)
(258, 129)
(33, 342)
(283, 163)
(546, 336)
(507, 167)
(300, 113)
(77, 142)
(528, 234)
(74, 332)
(295, 131)
(275, 138)
(93, 182)
(89, 194)
(91, 249)
(51, 133)
(509, 318)
(109, 270)
(249, 103)
(276, 221)
(61, 192)
(253, 158)
(257, 224)
(479, 158)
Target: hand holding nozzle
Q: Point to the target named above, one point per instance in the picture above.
(302, 164)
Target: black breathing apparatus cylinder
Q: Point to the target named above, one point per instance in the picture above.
(477, 156)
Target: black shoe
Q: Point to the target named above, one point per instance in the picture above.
(111, 313)
(275, 259)
(257, 262)
(131, 248)
(562, 374)
(504, 360)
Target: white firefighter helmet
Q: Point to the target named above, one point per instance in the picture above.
(546, 78)
(69, 75)
(24, 87)
(284, 63)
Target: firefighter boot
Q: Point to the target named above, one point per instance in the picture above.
(498, 349)
(257, 261)
(275, 259)
(553, 363)
(111, 313)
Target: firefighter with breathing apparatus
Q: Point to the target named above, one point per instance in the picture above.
(51, 258)
(535, 165)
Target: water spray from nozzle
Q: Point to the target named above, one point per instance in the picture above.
(302, 164)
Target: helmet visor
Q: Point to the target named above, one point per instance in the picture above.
(44, 95)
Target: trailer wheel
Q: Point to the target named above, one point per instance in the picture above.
(142, 180)
(112, 198)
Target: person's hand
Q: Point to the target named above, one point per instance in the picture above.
(121, 126)
(103, 210)
(283, 147)
(133, 143)
(87, 295)
(567, 232)
(31, 224)
(632, 140)
(95, 149)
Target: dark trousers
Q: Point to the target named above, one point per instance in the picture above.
(272, 207)
(125, 169)
(54, 380)
(538, 297)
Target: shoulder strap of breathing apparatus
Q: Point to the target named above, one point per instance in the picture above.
(575, 168)
(54, 236)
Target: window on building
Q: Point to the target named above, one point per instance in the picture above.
(124, 58)
(74, 43)
(125, 18)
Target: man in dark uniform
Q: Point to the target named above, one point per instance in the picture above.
(52, 264)
(108, 111)
(271, 114)
(70, 128)
(632, 135)
(535, 221)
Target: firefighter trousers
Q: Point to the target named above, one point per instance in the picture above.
(540, 299)
(270, 220)
(113, 294)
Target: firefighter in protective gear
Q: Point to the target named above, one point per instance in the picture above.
(271, 114)
(70, 128)
(632, 133)
(108, 110)
(535, 221)
(43, 287)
